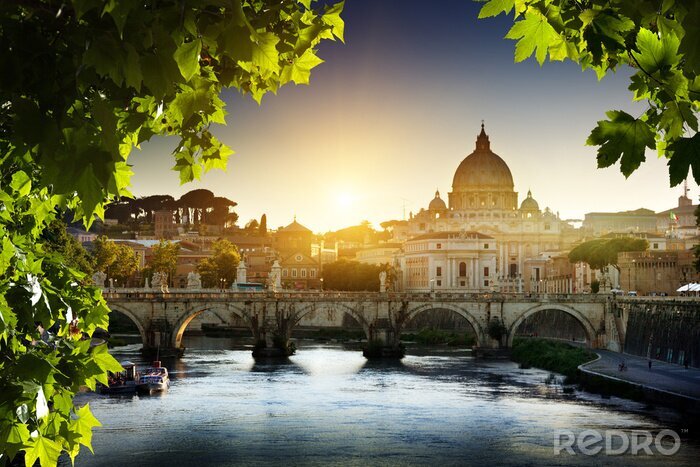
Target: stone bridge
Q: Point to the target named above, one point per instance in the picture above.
(162, 318)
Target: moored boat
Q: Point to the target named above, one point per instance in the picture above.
(122, 383)
(153, 379)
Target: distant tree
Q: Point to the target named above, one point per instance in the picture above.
(351, 276)
(252, 227)
(195, 203)
(601, 252)
(263, 225)
(221, 264)
(116, 260)
(58, 240)
(126, 264)
(122, 211)
(164, 259)
(220, 213)
(150, 204)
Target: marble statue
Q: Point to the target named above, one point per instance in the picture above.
(99, 278)
(194, 280)
(382, 281)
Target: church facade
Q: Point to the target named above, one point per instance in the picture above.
(481, 238)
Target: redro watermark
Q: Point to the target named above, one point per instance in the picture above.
(617, 442)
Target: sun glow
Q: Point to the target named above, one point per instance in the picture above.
(345, 199)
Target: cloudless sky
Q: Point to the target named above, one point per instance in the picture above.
(393, 111)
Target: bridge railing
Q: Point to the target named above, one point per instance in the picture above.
(315, 295)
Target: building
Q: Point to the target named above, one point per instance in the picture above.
(294, 238)
(656, 272)
(482, 202)
(300, 272)
(382, 253)
(639, 220)
(457, 261)
(679, 222)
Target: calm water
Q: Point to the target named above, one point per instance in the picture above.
(328, 405)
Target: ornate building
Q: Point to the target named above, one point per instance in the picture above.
(483, 202)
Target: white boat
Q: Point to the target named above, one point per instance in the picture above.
(153, 379)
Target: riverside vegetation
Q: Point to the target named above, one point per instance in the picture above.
(559, 357)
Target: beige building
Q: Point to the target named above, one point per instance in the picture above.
(383, 253)
(650, 272)
(449, 261)
(483, 201)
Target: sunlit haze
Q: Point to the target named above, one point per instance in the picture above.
(391, 114)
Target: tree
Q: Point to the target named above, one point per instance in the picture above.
(658, 39)
(263, 225)
(57, 240)
(221, 264)
(221, 212)
(252, 227)
(601, 252)
(164, 259)
(117, 260)
(83, 83)
(352, 276)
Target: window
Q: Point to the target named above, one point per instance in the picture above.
(486, 246)
(486, 283)
(294, 272)
(513, 270)
(462, 269)
(547, 227)
(284, 272)
(462, 283)
(303, 273)
(313, 273)
(439, 246)
(439, 283)
(486, 271)
(438, 271)
(656, 246)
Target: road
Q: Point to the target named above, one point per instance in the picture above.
(664, 376)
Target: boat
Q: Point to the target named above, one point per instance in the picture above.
(153, 379)
(122, 383)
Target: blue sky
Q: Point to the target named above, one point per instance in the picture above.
(393, 111)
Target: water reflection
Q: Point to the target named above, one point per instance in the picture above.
(327, 405)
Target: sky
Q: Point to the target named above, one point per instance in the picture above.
(392, 112)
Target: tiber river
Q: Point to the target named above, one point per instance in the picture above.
(329, 406)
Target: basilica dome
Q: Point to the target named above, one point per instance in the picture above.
(482, 170)
(437, 204)
(529, 203)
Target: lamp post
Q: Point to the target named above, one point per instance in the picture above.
(321, 284)
(634, 266)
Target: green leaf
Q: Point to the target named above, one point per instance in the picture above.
(21, 183)
(105, 361)
(534, 34)
(84, 424)
(332, 18)
(265, 54)
(622, 138)
(300, 69)
(187, 58)
(674, 117)
(656, 53)
(44, 449)
(496, 7)
(691, 39)
(685, 153)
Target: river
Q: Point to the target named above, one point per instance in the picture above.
(328, 405)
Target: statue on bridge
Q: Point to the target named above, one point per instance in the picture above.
(160, 281)
(99, 279)
(194, 280)
(382, 281)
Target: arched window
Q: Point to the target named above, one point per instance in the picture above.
(462, 269)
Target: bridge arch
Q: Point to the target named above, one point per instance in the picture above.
(186, 318)
(134, 319)
(478, 330)
(331, 306)
(586, 324)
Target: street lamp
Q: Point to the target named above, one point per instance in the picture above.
(432, 285)
(322, 284)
